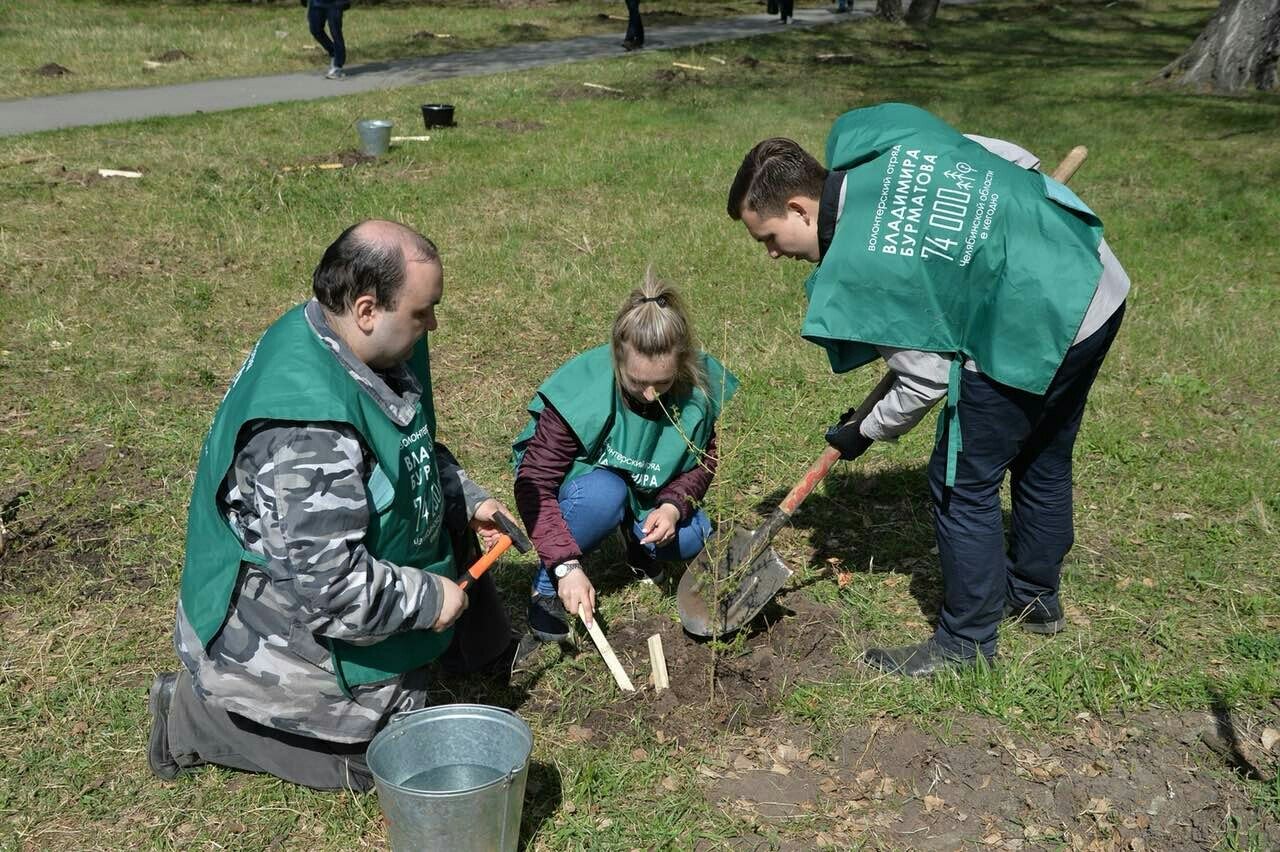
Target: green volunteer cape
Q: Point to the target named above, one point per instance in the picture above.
(649, 452)
(945, 247)
(290, 375)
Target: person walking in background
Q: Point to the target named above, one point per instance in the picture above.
(634, 39)
(329, 12)
(786, 10)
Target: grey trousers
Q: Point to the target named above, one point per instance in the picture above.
(201, 733)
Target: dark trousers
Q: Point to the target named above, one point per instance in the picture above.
(635, 27)
(785, 9)
(317, 17)
(201, 733)
(1031, 437)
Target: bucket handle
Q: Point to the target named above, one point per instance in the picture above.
(404, 714)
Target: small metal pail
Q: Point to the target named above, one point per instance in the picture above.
(452, 778)
(375, 136)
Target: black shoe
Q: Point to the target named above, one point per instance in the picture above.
(923, 660)
(548, 619)
(631, 44)
(1037, 617)
(159, 758)
(643, 565)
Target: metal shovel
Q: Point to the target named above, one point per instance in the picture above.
(728, 551)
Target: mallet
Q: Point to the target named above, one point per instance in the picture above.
(511, 534)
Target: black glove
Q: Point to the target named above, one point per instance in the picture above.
(847, 438)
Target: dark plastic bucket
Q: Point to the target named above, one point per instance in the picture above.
(437, 115)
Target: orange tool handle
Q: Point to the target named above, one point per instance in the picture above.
(484, 563)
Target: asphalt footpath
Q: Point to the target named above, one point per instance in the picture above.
(32, 115)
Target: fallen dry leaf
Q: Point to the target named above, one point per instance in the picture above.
(932, 803)
(1099, 806)
(639, 754)
(1270, 736)
(579, 734)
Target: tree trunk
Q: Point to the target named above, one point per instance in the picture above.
(889, 10)
(1236, 51)
(920, 13)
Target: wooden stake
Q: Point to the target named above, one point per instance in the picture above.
(606, 651)
(658, 663)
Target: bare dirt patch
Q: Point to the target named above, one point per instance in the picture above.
(346, 159)
(47, 536)
(670, 78)
(52, 69)
(1145, 781)
(790, 644)
(523, 31)
(174, 56)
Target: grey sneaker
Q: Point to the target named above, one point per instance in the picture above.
(335, 73)
(159, 758)
(921, 660)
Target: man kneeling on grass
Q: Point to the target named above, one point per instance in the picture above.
(325, 529)
(981, 281)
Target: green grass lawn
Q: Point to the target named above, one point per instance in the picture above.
(126, 305)
(108, 43)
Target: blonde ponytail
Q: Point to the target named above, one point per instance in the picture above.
(653, 322)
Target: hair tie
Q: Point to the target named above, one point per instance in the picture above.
(661, 300)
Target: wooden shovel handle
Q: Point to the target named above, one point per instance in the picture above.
(831, 455)
(485, 562)
(1071, 162)
(816, 473)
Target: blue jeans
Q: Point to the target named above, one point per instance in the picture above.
(1031, 437)
(595, 504)
(317, 16)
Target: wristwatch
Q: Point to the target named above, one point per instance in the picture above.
(564, 568)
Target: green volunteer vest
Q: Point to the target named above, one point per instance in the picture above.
(649, 452)
(291, 375)
(945, 247)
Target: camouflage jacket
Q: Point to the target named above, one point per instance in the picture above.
(296, 494)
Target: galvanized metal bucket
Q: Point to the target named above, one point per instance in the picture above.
(375, 136)
(452, 778)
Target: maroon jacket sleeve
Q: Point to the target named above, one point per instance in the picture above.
(548, 457)
(687, 490)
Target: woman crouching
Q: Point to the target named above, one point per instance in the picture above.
(622, 436)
